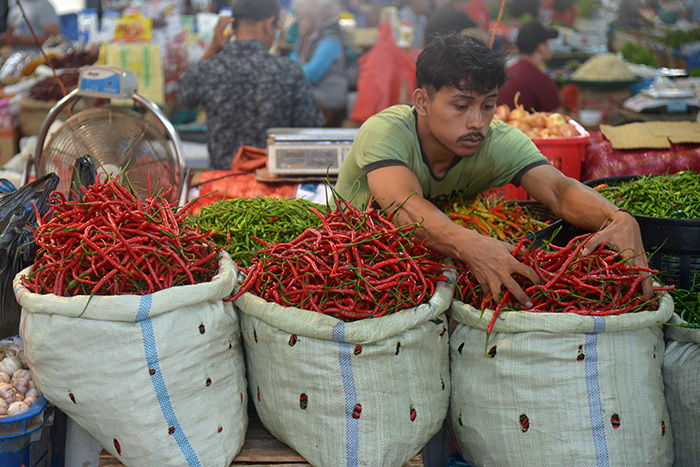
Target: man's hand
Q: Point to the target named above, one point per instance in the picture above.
(222, 33)
(493, 265)
(490, 260)
(622, 233)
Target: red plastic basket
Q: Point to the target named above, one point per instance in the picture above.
(566, 154)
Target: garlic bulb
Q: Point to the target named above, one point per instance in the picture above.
(29, 400)
(21, 385)
(34, 392)
(4, 377)
(3, 404)
(19, 397)
(22, 373)
(7, 392)
(10, 364)
(13, 350)
(17, 408)
(22, 358)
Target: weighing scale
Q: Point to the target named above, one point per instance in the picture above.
(308, 151)
(673, 100)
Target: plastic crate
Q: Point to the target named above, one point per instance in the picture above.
(19, 432)
(509, 191)
(672, 245)
(566, 154)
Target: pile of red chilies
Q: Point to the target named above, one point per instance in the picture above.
(109, 242)
(600, 283)
(356, 265)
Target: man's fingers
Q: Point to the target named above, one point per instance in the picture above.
(594, 242)
(518, 293)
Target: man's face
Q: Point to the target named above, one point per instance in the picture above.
(460, 120)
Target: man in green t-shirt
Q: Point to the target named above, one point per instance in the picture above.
(447, 147)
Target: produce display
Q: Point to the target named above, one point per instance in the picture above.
(74, 59)
(18, 392)
(356, 265)
(495, 217)
(535, 124)
(109, 242)
(606, 67)
(601, 283)
(675, 196)
(686, 302)
(48, 88)
(236, 222)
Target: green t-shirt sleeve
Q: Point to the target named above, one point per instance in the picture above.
(511, 152)
(380, 144)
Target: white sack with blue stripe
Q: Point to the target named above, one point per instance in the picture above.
(157, 380)
(555, 389)
(367, 393)
(681, 372)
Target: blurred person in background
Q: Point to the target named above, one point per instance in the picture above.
(321, 52)
(43, 19)
(450, 18)
(538, 91)
(415, 12)
(564, 12)
(243, 88)
(523, 11)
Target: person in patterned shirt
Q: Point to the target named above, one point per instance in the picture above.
(243, 88)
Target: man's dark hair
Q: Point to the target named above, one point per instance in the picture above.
(464, 62)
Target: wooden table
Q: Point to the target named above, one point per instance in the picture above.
(260, 449)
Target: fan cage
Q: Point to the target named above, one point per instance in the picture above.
(130, 145)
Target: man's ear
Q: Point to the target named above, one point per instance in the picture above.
(421, 99)
(269, 25)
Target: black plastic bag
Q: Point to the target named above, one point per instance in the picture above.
(17, 246)
(84, 175)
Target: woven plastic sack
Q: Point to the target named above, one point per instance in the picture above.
(554, 389)
(367, 393)
(157, 380)
(681, 372)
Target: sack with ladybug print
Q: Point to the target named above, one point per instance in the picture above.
(681, 372)
(560, 389)
(365, 393)
(156, 380)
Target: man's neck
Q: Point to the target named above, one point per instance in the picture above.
(438, 156)
(534, 59)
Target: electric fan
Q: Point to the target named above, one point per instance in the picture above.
(138, 145)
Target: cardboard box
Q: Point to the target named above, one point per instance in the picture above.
(8, 144)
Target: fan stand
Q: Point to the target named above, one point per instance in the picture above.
(33, 162)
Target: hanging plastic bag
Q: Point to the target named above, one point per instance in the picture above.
(387, 77)
(17, 249)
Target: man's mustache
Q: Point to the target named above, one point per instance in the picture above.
(475, 134)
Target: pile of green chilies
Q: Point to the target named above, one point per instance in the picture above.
(356, 265)
(675, 196)
(109, 242)
(234, 222)
(601, 283)
(687, 304)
